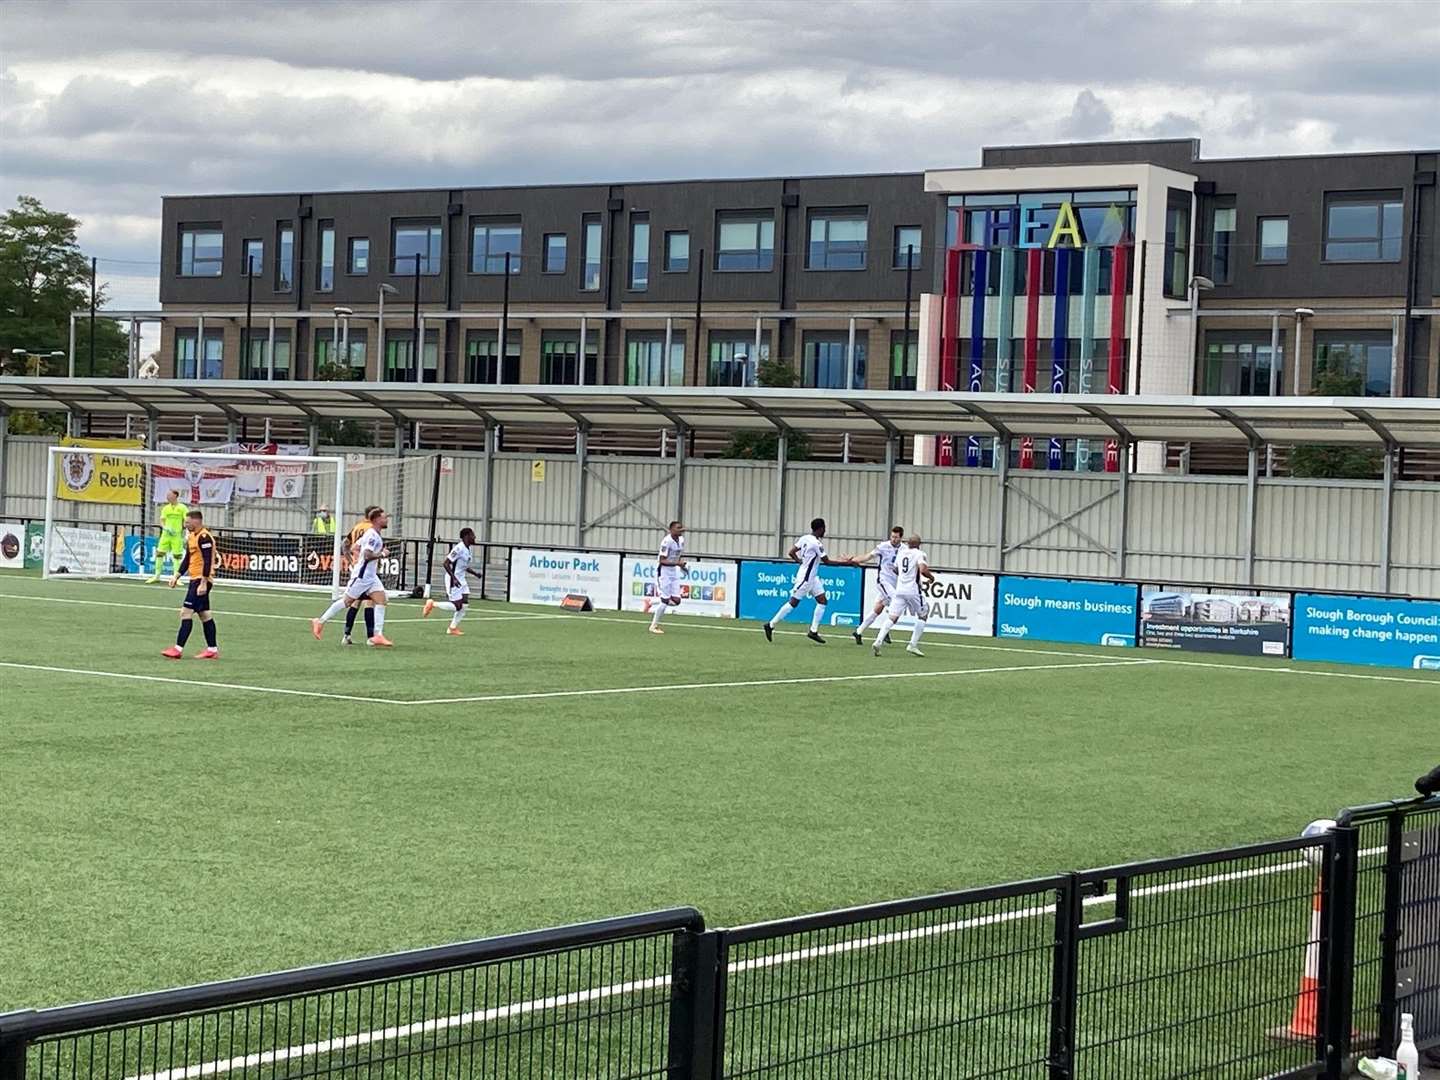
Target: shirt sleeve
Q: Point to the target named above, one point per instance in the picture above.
(207, 556)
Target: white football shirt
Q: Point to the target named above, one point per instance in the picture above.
(459, 557)
(810, 551)
(671, 548)
(886, 553)
(367, 571)
(907, 569)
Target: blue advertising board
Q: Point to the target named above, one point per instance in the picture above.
(1367, 630)
(1083, 612)
(139, 554)
(764, 586)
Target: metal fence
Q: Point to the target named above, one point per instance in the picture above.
(1271, 960)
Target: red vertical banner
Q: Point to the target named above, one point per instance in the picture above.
(1115, 382)
(1034, 271)
(949, 344)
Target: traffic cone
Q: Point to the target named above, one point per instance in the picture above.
(1304, 1021)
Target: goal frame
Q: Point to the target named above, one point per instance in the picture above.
(53, 454)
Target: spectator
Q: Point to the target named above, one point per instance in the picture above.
(324, 524)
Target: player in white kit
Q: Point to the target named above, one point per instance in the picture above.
(670, 566)
(911, 564)
(884, 555)
(809, 552)
(457, 588)
(365, 580)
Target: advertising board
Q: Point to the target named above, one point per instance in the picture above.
(707, 587)
(1368, 630)
(955, 603)
(1246, 625)
(539, 576)
(1082, 612)
(764, 586)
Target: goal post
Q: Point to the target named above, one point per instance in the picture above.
(103, 513)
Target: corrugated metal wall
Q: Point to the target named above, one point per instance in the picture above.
(1308, 533)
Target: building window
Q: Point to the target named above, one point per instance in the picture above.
(357, 258)
(1364, 355)
(555, 253)
(412, 239)
(214, 361)
(904, 359)
(254, 264)
(644, 363)
(482, 357)
(1177, 246)
(354, 358)
(284, 257)
(325, 281)
(559, 350)
(1274, 239)
(907, 247)
(494, 245)
(825, 362)
(639, 252)
(202, 251)
(733, 359)
(255, 356)
(1362, 227)
(746, 240)
(837, 240)
(1222, 242)
(1238, 362)
(677, 252)
(590, 251)
(400, 355)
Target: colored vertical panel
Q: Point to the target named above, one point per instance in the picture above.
(1119, 272)
(1034, 268)
(1089, 296)
(949, 343)
(979, 282)
(1005, 326)
(1060, 344)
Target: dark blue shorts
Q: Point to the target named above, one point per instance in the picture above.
(198, 602)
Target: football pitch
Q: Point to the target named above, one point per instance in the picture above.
(297, 802)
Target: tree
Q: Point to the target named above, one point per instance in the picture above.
(765, 445)
(1330, 461)
(44, 276)
(341, 432)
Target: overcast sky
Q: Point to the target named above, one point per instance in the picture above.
(105, 105)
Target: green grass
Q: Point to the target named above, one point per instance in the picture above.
(156, 834)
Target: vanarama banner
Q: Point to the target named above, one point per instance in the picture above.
(97, 477)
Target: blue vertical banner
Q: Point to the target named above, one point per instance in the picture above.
(978, 284)
(1060, 344)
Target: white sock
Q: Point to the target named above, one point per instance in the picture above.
(917, 632)
(779, 616)
(333, 610)
(444, 605)
(815, 619)
(455, 619)
(865, 623)
(379, 619)
(885, 624)
(658, 613)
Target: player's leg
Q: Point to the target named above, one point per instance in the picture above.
(207, 626)
(459, 605)
(918, 609)
(817, 618)
(870, 618)
(341, 602)
(378, 638)
(350, 613)
(779, 616)
(162, 551)
(187, 615)
(887, 621)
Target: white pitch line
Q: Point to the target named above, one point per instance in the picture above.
(228, 613)
(200, 683)
(759, 963)
(769, 682)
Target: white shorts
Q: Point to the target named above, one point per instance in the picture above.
(902, 604)
(813, 586)
(668, 587)
(887, 589)
(361, 588)
(457, 594)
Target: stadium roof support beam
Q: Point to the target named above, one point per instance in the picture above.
(1252, 436)
(986, 417)
(1374, 425)
(469, 407)
(1109, 421)
(891, 431)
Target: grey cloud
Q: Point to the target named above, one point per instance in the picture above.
(1090, 118)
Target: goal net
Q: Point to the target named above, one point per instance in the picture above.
(280, 516)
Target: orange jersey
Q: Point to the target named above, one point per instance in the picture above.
(360, 529)
(200, 555)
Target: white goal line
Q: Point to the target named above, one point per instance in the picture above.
(398, 1032)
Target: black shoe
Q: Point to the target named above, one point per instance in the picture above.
(858, 639)
(815, 637)
(769, 632)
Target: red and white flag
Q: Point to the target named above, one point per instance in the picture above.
(200, 481)
(263, 480)
(210, 481)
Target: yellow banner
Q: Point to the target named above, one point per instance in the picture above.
(98, 477)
